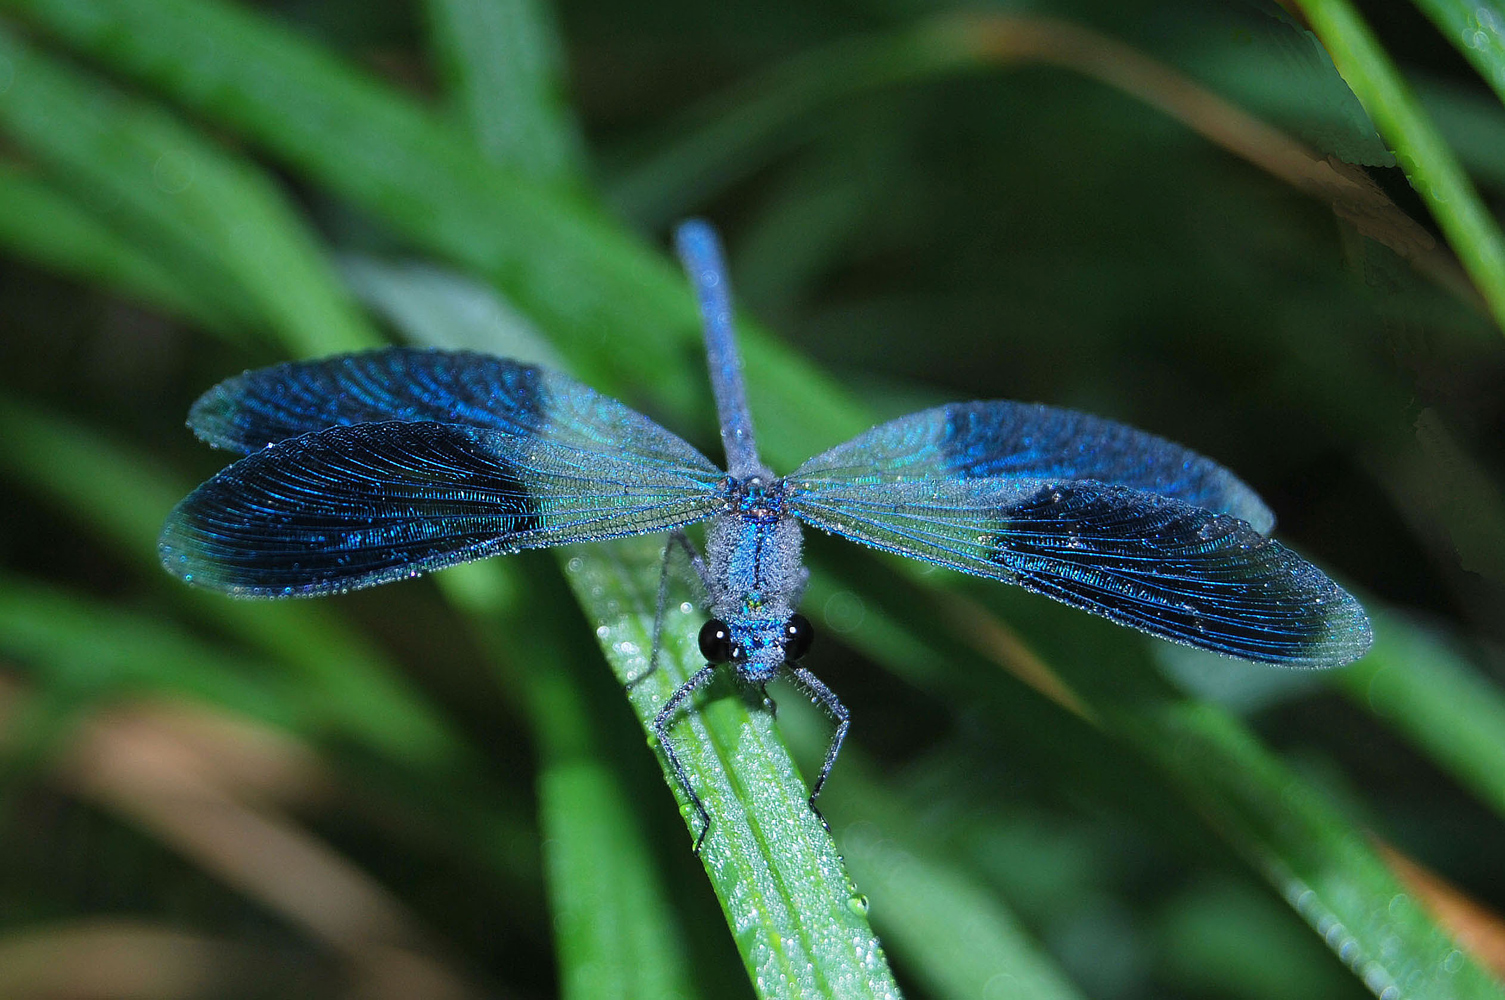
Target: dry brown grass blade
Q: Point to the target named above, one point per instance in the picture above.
(206, 783)
(103, 959)
(1479, 930)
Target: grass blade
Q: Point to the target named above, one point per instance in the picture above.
(793, 911)
(1426, 158)
(44, 225)
(1318, 862)
(502, 61)
(123, 498)
(1438, 700)
(1326, 869)
(568, 267)
(615, 931)
(623, 315)
(1476, 29)
(166, 182)
(94, 651)
(948, 929)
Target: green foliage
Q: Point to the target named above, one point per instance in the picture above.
(1157, 218)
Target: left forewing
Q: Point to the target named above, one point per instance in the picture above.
(350, 507)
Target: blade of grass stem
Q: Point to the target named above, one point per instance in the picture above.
(504, 74)
(162, 179)
(792, 909)
(122, 497)
(83, 651)
(1426, 158)
(44, 225)
(88, 647)
(1322, 866)
(623, 315)
(1311, 855)
(1437, 700)
(615, 931)
(1477, 30)
(950, 931)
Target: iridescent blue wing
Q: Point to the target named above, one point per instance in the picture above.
(1153, 562)
(250, 411)
(385, 464)
(353, 506)
(1005, 439)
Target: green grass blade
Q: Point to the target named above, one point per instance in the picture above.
(94, 650)
(615, 931)
(503, 66)
(792, 909)
(1318, 861)
(731, 135)
(1322, 865)
(44, 225)
(947, 929)
(623, 315)
(1476, 29)
(436, 307)
(1439, 701)
(574, 272)
(122, 497)
(167, 184)
(1426, 158)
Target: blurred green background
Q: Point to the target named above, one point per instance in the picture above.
(1178, 215)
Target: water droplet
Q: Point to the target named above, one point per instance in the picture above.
(858, 904)
(602, 631)
(174, 171)
(844, 611)
(575, 565)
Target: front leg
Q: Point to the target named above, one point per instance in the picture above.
(661, 732)
(823, 696)
(677, 537)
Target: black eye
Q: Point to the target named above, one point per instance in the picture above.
(716, 641)
(798, 634)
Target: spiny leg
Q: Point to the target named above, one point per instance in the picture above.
(661, 731)
(676, 537)
(826, 699)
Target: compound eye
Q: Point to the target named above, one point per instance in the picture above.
(716, 641)
(798, 634)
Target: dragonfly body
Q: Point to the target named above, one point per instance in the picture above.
(753, 564)
(372, 467)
